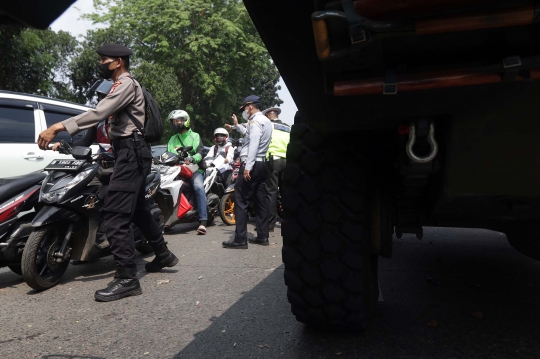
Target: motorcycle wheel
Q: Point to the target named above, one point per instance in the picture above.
(15, 268)
(39, 268)
(226, 209)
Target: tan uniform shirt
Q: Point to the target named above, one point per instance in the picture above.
(126, 95)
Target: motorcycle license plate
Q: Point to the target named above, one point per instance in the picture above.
(65, 165)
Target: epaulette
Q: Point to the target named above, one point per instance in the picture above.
(118, 82)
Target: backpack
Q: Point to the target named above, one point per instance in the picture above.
(153, 123)
(226, 150)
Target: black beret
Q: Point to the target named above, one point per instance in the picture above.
(114, 50)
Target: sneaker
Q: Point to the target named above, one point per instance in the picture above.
(201, 230)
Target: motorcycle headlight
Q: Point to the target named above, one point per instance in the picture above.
(55, 196)
(78, 178)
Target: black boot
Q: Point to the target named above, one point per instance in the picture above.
(164, 258)
(124, 284)
(262, 242)
(232, 244)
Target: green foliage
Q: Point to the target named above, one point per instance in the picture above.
(34, 61)
(201, 56)
(210, 47)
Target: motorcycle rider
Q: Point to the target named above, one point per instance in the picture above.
(251, 182)
(224, 149)
(185, 137)
(125, 202)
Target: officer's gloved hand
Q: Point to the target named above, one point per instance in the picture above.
(189, 160)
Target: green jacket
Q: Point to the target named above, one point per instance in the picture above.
(189, 138)
(280, 139)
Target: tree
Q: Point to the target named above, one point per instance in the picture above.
(211, 48)
(35, 61)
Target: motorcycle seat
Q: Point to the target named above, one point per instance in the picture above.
(150, 178)
(11, 186)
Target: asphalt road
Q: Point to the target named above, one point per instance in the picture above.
(481, 302)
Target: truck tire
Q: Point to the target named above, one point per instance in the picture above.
(525, 238)
(330, 274)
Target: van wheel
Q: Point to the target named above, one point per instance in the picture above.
(330, 274)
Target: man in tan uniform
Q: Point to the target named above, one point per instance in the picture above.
(125, 199)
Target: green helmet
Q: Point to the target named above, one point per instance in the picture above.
(179, 115)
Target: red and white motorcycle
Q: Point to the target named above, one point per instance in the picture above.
(176, 198)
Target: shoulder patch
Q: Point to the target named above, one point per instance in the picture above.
(115, 86)
(281, 127)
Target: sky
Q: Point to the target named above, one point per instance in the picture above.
(70, 21)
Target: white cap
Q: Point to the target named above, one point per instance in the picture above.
(276, 109)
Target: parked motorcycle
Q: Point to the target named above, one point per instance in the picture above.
(68, 226)
(226, 203)
(176, 198)
(226, 207)
(17, 195)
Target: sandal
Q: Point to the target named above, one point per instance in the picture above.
(201, 230)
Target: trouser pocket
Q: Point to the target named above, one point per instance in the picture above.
(121, 197)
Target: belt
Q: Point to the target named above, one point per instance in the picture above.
(257, 159)
(126, 142)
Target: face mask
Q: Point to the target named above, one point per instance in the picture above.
(103, 70)
(245, 115)
(178, 127)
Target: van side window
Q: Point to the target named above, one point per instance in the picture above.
(17, 124)
(52, 117)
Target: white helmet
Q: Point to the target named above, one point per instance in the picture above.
(220, 131)
(179, 114)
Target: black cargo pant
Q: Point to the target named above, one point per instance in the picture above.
(125, 203)
(272, 185)
(244, 192)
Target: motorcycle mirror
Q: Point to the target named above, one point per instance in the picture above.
(81, 153)
(101, 88)
(168, 157)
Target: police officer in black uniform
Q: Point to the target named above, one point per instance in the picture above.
(124, 202)
(251, 181)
